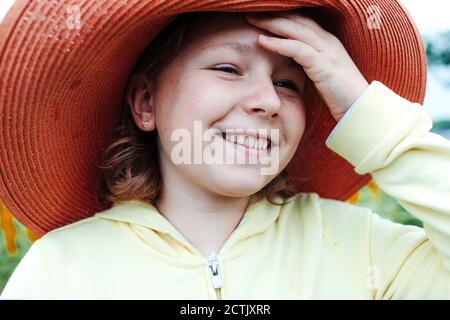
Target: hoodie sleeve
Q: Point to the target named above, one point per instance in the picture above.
(389, 137)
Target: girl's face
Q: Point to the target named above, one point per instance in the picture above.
(254, 89)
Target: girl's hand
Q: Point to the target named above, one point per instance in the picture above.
(322, 56)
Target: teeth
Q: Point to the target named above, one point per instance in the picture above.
(248, 141)
(262, 144)
(251, 142)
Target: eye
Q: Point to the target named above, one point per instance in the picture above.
(227, 69)
(230, 69)
(290, 84)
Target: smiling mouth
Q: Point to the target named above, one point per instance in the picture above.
(250, 143)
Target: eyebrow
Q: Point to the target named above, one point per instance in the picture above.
(243, 48)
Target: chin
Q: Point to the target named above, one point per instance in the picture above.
(240, 185)
(237, 193)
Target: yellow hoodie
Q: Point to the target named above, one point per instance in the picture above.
(310, 248)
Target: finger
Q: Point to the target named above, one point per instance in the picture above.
(301, 18)
(289, 29)
(304, 19)
(300, 52)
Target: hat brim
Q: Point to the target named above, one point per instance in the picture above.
(62, 90)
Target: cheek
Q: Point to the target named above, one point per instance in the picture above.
(193, 94)
(295, 122)
(176, 103)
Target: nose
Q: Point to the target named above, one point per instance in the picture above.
(263, 100)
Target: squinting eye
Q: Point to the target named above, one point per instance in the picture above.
(228, 68)
(291, 85)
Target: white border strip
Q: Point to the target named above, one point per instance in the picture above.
(5, 5)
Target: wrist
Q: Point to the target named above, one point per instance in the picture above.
(358, 92)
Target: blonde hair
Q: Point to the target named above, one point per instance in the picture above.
(130, 163)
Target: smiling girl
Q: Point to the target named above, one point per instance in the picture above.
(226, 231)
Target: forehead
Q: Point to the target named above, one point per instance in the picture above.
(247, 49)
(230, 32)
(240, 47)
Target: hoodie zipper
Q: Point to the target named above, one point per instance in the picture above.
(216, 276)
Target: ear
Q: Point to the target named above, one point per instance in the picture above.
(140, 96)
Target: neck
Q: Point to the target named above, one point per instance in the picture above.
(204, 218)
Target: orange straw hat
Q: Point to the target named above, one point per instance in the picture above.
(65, 66)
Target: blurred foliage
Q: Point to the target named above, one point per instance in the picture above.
(371, 196)
(440, 126)
(14, 243)
(438, 49)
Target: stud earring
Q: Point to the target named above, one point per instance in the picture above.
(145, 124)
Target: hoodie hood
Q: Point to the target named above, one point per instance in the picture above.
(146, 220)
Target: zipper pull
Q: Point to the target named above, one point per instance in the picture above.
(214, 271)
